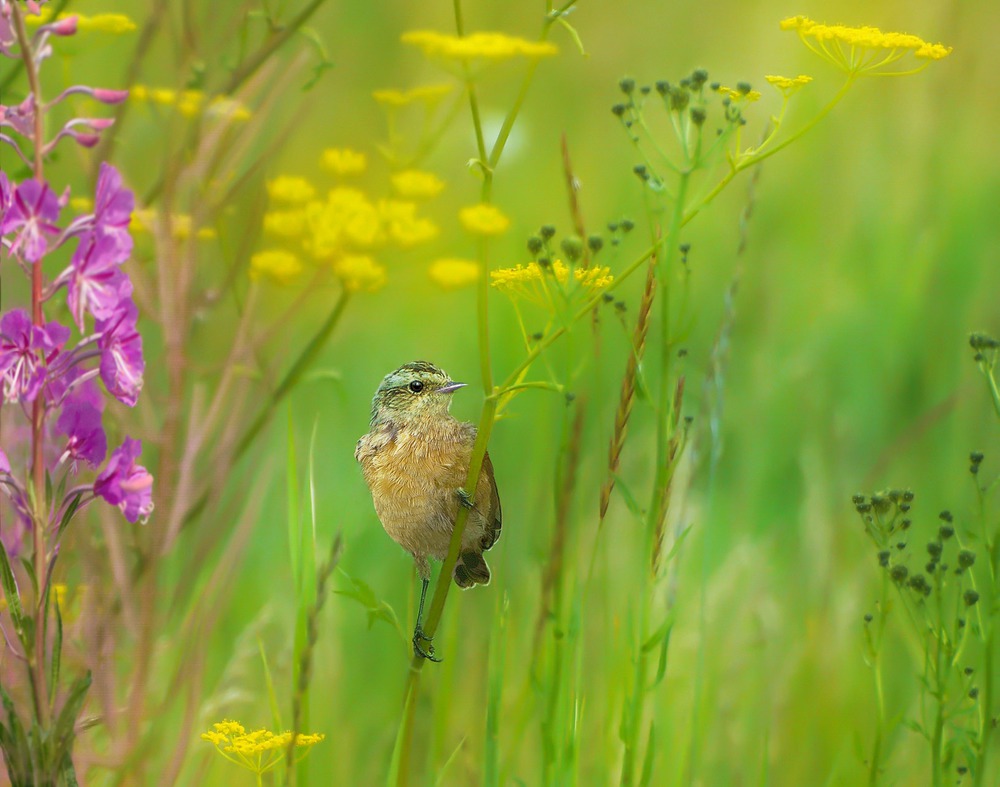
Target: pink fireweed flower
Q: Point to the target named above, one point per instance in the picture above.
(103, 95)
(122, 363)
(80, 421)
(94, 280)
(22, 369)
(6, 195)
(20, 117)
(33, 211)
(4, 463)
(113, 206)
(125, 484)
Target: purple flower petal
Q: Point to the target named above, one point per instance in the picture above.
(125, 484)
(113, 206)
(34, 209)
(4, 463)
(21, 368)
(122, 363)
(95, 280)
(81, 423)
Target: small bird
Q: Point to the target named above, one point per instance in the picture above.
(415, 460)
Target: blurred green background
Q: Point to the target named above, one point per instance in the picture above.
(871, 254)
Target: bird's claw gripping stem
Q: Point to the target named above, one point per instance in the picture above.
(464, 498)
(418, 650)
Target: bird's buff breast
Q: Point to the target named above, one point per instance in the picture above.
(413, 478)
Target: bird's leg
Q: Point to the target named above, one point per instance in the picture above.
(418, 632)
(464, 498)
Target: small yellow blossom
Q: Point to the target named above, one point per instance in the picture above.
(346, 219)
(344, 161)
(417, 184)
(428, 94)
(229, 109)
(293, 190)
(483, 219)
(258, 751)
(403, 225)
(162, 95)
(532, 281)
(190, 102)
(99, 23)
(862, 50)
(452, 274)
(490, 46)
(281, 266)
(138, 93)
(285, 223)
(735, 94)
(359, 272)
(788, 85)
(81, 204)
(206, 233)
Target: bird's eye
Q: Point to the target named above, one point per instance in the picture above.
(416, 386)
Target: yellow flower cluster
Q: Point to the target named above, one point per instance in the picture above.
(144, 220)
(344, 161)
(788, 85)
(98, 23)
(342, 229)
(190, 103)
(291, 190)
(417, 184)
(532, 281)
(737, 95)
(452, 274)
(489, 46)
(359, 272)
(278, 265)
(861, 50)
(428, 94)
(259, 750)
(483, 219)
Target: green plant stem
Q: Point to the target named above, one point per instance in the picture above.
(876, 757)
(750, 161)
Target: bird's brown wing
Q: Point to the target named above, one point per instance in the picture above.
(494, 516)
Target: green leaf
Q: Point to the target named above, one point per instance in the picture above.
(658, 635)
(74, 504)
(272, 696)
(631, 503)
(56, 655)
(10, 593)
(376, 608)
(661, 666)
(647, 762)
(29, 569)
(64, 728)
(677, 543)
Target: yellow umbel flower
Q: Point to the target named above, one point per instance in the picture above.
(344, 161)
(428, 94)
(533, 282)
(260, 750)
(278, 265)
(863, 51)
(735, 94)
(347, 219)
(788, 85)
(452, 274)
(483, 219)
(417, 184)
(359, 272)
(191, 103)
(98, 23)
(488, 46)
(293, 190)
(285, 223)
(403, 225)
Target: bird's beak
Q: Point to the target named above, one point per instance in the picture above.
(451, 387)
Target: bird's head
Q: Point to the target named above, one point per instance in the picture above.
(415, 390)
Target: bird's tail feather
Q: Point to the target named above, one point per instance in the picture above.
(471, 569)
